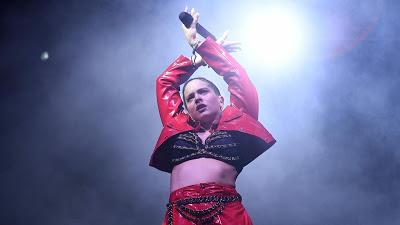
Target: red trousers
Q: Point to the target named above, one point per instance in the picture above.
(206, 203)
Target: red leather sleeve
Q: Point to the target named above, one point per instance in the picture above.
(243, 94)
(167, 87)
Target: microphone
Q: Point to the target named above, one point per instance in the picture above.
(187, 20)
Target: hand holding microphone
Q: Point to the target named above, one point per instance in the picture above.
(190, 21)
(191, 27)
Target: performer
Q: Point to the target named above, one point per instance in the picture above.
(206, 148)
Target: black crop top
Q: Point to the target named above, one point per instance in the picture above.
(220, 145)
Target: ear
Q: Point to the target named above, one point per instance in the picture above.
(221, 102)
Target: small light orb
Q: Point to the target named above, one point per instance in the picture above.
(44, 56)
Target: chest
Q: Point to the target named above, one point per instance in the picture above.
(220, 145)
(203, 136)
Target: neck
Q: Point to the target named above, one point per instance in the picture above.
(210, 125)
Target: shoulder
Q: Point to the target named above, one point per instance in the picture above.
(230, 113)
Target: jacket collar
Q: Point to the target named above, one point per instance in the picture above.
(230, 113)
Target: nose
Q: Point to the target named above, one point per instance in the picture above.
(197, 99)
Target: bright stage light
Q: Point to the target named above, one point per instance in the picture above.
(275, 36)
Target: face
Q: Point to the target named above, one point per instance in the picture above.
(202, 103)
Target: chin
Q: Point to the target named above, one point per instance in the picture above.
(207, 116)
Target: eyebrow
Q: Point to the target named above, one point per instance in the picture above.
(203, 89)
(198, 90)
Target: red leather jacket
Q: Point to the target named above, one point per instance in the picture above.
(241, 115)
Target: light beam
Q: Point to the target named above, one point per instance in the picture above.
(275, 36)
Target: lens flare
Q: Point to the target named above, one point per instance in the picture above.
(275, 36)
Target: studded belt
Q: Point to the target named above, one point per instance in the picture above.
(204, 215)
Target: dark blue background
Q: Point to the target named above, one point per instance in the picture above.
(78, 129)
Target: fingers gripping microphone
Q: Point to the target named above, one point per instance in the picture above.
(187, 20)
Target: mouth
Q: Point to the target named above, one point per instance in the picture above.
(201, 108)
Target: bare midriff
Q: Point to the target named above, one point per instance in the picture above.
(202, 170)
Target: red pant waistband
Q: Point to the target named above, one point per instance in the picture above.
(203, 189)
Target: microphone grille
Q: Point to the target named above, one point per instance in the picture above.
(186, 19)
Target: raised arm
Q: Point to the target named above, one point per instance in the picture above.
(243, 94)
(167, 87)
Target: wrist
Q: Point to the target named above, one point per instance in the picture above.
(197, 60)
(195, 44)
